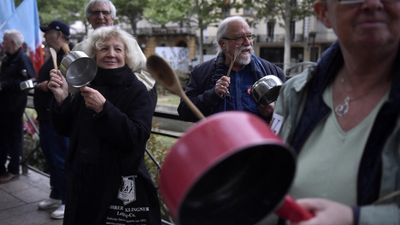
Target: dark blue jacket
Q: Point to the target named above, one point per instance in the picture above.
(200, 88)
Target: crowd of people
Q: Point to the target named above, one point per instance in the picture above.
(340, 116)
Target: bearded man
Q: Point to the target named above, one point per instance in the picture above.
(224, 82)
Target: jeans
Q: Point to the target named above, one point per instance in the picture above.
(10, 141)
(55, 148)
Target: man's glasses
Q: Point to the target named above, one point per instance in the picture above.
(99, 12)
(350, 2)
(241, 39)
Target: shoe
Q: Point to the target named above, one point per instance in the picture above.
(58, 214)
(7, 177)
(49, 203)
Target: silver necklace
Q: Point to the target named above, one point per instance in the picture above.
(343, 109)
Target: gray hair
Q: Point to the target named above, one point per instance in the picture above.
(223, 27)
(15, 36)
(92, 2)
(134, 57)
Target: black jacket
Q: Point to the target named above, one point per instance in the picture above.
(12, 98)
(42, 99)
(106, 146)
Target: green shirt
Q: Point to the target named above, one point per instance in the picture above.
(316, 175)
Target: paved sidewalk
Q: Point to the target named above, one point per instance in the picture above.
(19, 199)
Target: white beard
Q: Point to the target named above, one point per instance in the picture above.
(244, 58)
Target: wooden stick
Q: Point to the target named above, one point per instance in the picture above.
(237, 52)
(53, 54)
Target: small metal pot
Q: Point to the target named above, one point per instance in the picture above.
(78, 68)
(266, 90)
(27, 85)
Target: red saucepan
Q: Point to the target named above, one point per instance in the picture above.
(229, 169)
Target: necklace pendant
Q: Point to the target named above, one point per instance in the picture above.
(343, 109)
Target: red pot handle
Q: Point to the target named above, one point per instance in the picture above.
(292, 211)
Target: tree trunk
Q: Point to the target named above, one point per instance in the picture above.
(200, 24)
(287, 20)
(133, 25)
(201, 43)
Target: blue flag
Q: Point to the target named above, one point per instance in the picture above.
(7, 8)
(26, 20)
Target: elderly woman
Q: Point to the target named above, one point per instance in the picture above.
(109, 124)
(342, 117)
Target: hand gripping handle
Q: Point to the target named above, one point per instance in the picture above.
(292, 211)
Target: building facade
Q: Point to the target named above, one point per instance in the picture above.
(309, 39)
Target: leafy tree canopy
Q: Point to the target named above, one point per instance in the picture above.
(280, 9)
(165, 11)
(65, 10)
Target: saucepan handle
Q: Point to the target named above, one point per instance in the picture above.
(292, 211)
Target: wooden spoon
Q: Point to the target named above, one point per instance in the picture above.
(53, 54)
(162, 72)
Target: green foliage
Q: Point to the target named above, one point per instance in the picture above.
(206, 12)
(280, 9)
(32, 153)
(164, 11)
(65, 10)
(130, 11)
(157, 146)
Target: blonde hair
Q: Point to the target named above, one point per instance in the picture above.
(134, 58)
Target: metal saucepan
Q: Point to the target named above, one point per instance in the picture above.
(266, 90)
(28, 84)
(227, 169)
(78, 68)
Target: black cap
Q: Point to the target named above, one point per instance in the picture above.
(56, 25)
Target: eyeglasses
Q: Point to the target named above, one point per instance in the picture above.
(98, 12)
(350, 2)
(241, 39)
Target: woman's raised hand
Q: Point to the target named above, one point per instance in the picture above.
(58, 85)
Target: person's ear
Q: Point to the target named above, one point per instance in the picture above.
(221, 44)
(321, 10)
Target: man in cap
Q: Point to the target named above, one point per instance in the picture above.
(53, 145)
